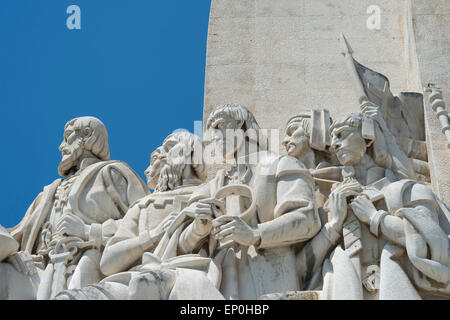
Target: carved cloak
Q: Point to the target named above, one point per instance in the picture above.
(414, 272)
(102, 191)
(286, 215)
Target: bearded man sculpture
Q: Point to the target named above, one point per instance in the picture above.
(68, 224)
(174, 172)
(176, 168)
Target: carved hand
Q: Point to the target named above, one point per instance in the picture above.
(234, 228)
(202, 224)
(350, 187)
(337, 209)
(203, 213)
(373, 111)
(363, 208)
(72, 225)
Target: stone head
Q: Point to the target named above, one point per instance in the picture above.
(227, 123)
(177, 160)
(83, 136)
(297, 134)
(347, 140)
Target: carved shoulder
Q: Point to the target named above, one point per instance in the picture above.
(289, 165)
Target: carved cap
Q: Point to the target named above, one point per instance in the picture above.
(351, 119)
(304, 119)
(97, 140)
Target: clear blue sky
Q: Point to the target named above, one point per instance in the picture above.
(138, 65)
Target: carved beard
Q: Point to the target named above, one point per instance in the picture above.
(170, 175)
(71, 161)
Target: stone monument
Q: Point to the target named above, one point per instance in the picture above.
(352, 203)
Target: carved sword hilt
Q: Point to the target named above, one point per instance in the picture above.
(233, 194)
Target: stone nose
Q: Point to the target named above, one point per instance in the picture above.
(285, 141)
(62, 145)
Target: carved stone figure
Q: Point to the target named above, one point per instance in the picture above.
(64, 230)
(403, 114)
(395, 232)
(372, 157)
(176, 168)
(307, 138)
(268, 209)
(174, 175)
(346, 214)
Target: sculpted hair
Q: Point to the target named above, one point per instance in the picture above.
(304, 120)
(95, 136)
(351, 119)
(239, 112)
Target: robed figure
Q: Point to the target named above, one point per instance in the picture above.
(66, 227)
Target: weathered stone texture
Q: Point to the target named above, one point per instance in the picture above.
(431, 26)
(282, 57)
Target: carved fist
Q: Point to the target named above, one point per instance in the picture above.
(234, 228)
(72, 225)
(363, 208)
(204, 211)
(373, 111)
(337, 209)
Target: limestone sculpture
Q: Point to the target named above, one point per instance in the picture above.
(346, 214)
(307, 138)
(256, 230)
(267, 209)
(64, 230)
(384, 250)
(176, 168)
(174, 180)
